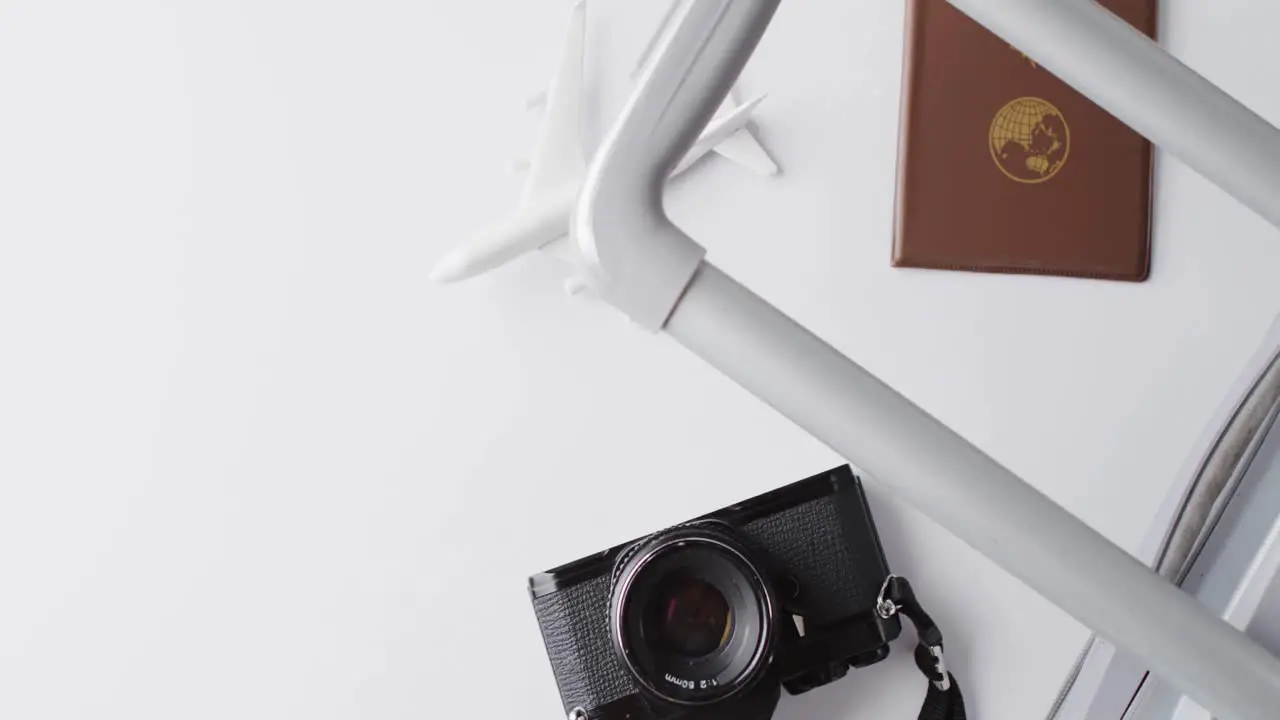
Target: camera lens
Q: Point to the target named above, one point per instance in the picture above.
(691, 615)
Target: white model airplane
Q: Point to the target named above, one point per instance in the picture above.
(557, 167)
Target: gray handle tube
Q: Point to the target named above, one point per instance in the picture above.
(974, 497)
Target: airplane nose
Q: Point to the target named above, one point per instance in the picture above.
(450, 268)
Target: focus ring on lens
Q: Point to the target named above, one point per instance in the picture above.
(711, 526)
(691, 614)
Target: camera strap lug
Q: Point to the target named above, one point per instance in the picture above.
(885, 607)
(943, 701)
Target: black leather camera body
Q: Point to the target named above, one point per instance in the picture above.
(714, 617)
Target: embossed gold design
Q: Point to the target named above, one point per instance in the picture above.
(1029, 140)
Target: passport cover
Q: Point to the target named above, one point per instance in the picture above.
(1002, 167)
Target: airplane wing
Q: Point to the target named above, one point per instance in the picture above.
(557, 154)
(743, 148)
(723, 128)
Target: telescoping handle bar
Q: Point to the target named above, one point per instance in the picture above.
(648, 268)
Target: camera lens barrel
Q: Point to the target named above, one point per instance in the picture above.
(692, 615)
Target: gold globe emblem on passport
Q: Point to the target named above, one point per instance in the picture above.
(1029, 140)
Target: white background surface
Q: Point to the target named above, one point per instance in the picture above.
(252, 466)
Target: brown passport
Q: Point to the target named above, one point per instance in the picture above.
(1003, 167)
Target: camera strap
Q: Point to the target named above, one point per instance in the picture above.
(943, 700)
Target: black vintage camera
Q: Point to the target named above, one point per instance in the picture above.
(712, 618)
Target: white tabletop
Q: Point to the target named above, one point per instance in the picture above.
(255, 467)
